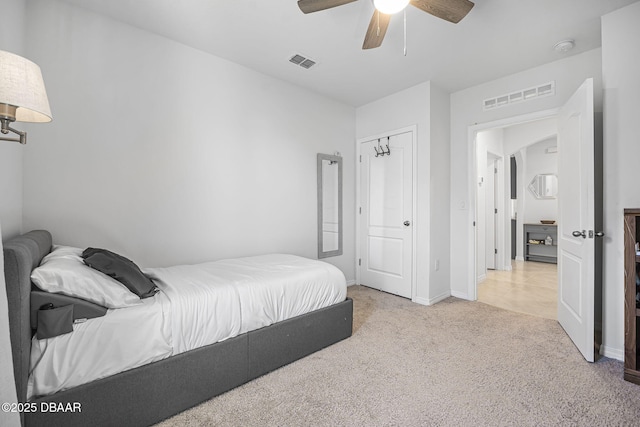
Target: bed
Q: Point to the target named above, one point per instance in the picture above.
(191, 372)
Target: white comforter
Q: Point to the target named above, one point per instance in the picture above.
(197, 305)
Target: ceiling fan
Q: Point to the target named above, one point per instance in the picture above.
(449, 10)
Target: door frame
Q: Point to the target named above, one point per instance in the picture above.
(498, 197)
(472, 287)
(501, 261)
(414, 197)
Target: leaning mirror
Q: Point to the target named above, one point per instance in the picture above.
(544, 186)
(329, 205)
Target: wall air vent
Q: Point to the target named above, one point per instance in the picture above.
(540, 91)
(302, 61)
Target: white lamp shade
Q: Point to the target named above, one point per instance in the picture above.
(389, 7)
(21, 85)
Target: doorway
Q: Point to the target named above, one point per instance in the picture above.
(579, 216)
(503, 277)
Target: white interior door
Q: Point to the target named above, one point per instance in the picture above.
(386, 196)
(491, 212)
(576, 213)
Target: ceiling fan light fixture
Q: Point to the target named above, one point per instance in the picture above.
(389, 7)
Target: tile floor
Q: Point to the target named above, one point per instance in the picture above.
(530, 288)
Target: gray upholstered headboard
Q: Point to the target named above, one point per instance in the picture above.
(21, 255)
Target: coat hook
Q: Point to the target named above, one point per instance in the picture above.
(382, 151)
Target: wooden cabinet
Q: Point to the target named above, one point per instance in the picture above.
(631, 311)
(535, 237)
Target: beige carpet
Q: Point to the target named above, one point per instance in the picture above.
(456, 363)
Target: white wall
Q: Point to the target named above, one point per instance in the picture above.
(522, 135)
(539, 162)
(466, 111)
(620, 72)
(170, 155)
(425, 106)
(439, 156)
(12, 34)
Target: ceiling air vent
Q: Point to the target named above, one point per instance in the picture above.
(307, 63)
(302, 61)
(546, 89)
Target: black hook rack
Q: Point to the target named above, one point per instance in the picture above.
(382, 151)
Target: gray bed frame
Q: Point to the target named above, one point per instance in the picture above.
(151, 393)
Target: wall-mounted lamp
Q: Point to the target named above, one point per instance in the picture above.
(22, 95)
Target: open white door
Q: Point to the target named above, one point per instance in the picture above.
(576, 214)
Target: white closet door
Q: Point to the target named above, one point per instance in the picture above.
(386, 217)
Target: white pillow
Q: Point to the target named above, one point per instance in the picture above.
(63, 271)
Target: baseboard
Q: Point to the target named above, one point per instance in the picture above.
(612, 353)
(420, 300)
(351, 282)
(439, 298)
(431, 301)
(461, 295)
(519, 258)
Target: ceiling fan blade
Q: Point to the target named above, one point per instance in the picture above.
(449, 10)
(308, 6)
(376, 31)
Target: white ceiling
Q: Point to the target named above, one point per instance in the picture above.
(497, 38)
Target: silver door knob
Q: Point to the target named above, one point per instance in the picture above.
(599, 233)
(578, 234)
(407, 223)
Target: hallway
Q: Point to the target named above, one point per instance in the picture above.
(530, 288)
